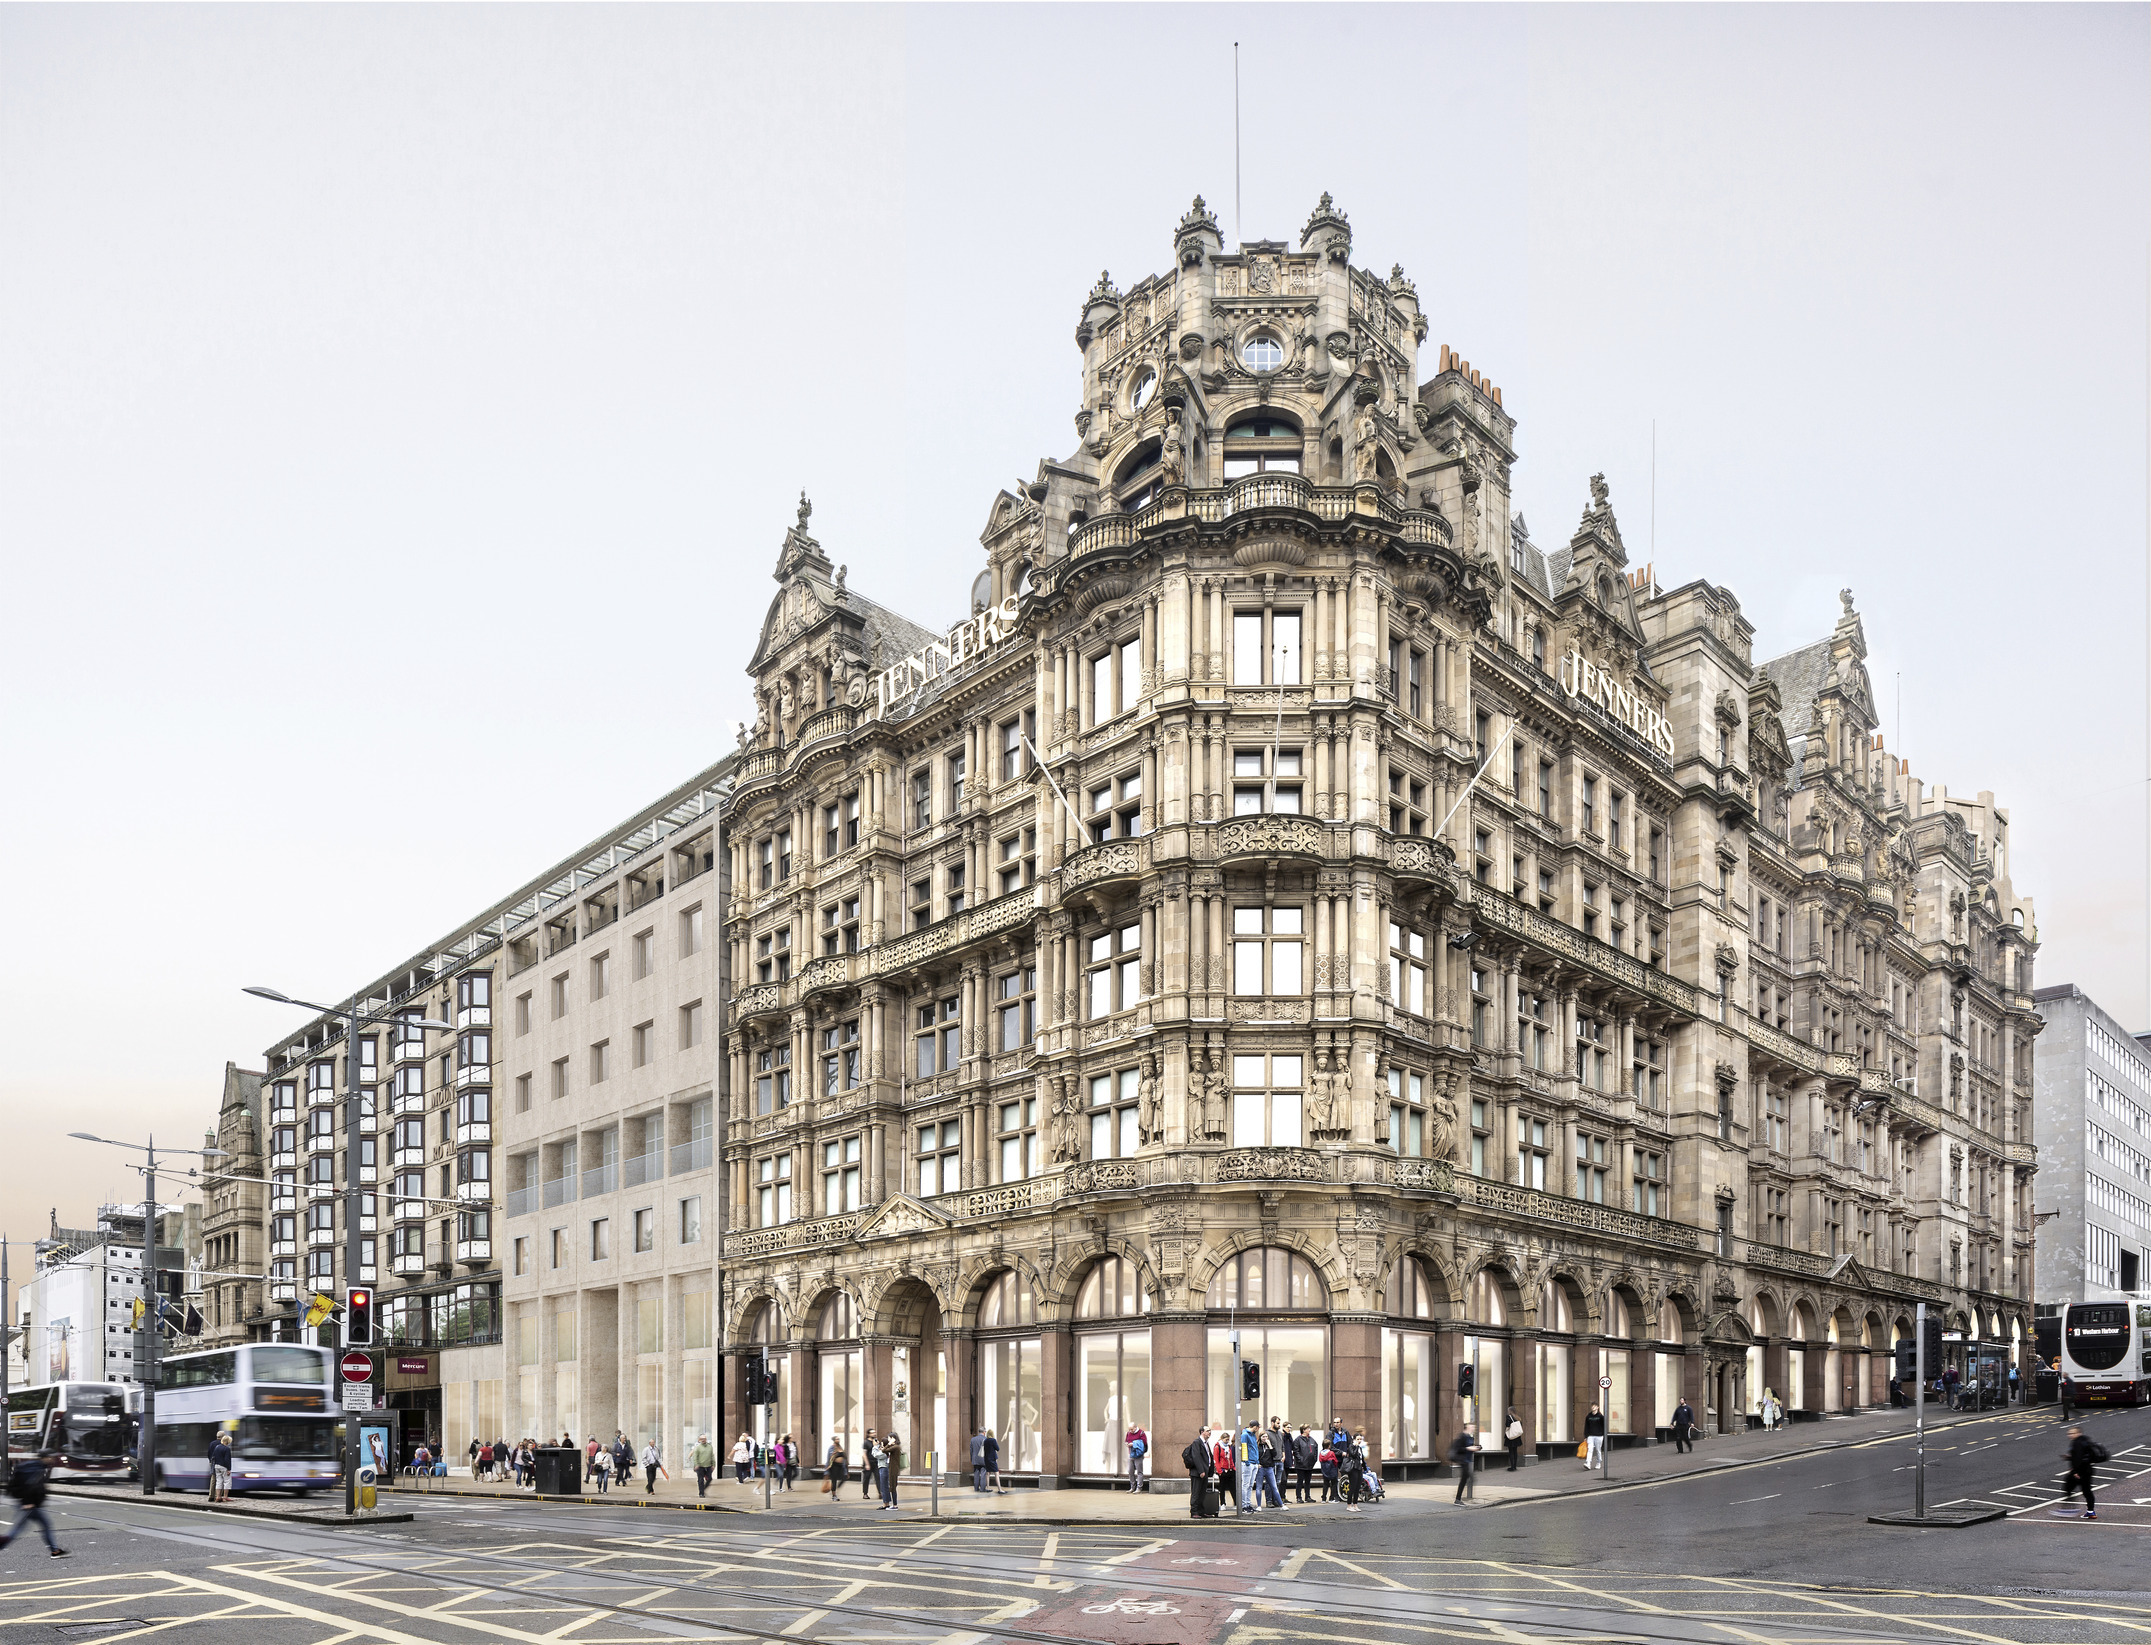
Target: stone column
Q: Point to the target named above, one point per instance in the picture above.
(1356, 1372)
(1056, 1418)
(962, 1401)
(1179, 1359)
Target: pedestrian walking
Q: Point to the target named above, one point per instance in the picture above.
(1512, 1437)
(1464, 1453)
(603, 1470)
(838, 1467)
(2015, 1387)
(791, 1461)
(26, 1483)
(2068, 1398)
(220, 1467)
(1683, 1426)
(978, 1462)
(650, 1464)
(993, 1465)
(1594, 1439)
(2083, 1456)
(1306, 1451)
(742, 1458)
(703, 1459)
(1138, 1442)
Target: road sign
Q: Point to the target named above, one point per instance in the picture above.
(356, 1367)
(358, 1396)
(1605, 1382)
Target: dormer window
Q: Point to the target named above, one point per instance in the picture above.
(1264, 443)
(1262, 352)
(1146, 388)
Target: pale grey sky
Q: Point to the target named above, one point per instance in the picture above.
(404, 405)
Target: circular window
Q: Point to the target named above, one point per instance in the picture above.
(1145, 387)
(1262, 352)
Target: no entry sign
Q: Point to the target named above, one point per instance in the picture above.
(356, 1367)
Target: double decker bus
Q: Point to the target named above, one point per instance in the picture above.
(270, 1399)
(85, 1422)
(2106, 1351)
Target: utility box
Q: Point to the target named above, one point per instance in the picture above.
(560, 1470)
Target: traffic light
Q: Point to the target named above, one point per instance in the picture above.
(1467, 1380)
(1933, 1324)
(750, 1381)
(358, 1316)
(1250, 1379)
(769, 1383)
(1907, 1369)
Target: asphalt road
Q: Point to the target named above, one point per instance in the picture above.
(1777, 1552)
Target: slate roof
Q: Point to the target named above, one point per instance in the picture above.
(1544, 572)
(1799, 676)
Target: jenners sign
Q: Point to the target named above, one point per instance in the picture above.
(1580, 677)
(966, 641)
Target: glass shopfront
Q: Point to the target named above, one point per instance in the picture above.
(1291, 1359)
(1410, 1377)
(843, 1381)
(1011, 1383)
(1668, 1366)
(1113, 1370)
(1484, 1411)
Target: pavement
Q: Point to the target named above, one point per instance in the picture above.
(1557, 1477)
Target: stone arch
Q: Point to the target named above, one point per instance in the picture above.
(901, 1306)
(1323, 1259)
(1449, 1296)
(747, 1308)
(968, 1289)
(1686, 1310)
(818, 1300)
(1629, 1287)
(1583, 1305)
(1805, 1309)
(1500, 1269)
(1774, 1314)
(1065, 1298)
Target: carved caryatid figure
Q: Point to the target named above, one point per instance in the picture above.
(1065, 1149)
(1364, 445)
(1322, 1097)
(1151, 1119)
(1172, 454)
(1441, 1124)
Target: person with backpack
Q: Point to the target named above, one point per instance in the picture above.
(1305, 1450)
(1201, 1463)
(2084, 1455)
(1464, 1454)
(26, 1483)
(1332, 1471)
(1138, 1448)
(1512, 1437)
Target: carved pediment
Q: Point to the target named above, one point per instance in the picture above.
(901, 1214)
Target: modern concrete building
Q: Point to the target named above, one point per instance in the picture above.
(79, 1302)
(1286, 916)
(2094, 1122)
(459, 1127)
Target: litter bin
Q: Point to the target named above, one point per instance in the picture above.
(560, 1470)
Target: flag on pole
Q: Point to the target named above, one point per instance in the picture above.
(141, 1307)
(320, 1308)
(193, 1327)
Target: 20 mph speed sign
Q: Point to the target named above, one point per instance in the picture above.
(356, 1367)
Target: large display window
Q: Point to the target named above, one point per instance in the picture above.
(1291, 1359)
(843, 1380)
(1011, 1381)
(1485, 1409)
(1113, 1369)
(1409, 1375)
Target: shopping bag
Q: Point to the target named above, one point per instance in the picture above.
(1584, 1449)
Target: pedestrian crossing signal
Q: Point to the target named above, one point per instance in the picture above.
(1250, 1379)
(1467, 1381)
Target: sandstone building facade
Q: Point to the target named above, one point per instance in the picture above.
(1295, 920)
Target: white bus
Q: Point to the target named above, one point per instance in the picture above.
(272, 1401)
(86, 1422)
(2106, 1351)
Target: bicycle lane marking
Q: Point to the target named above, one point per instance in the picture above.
(1214, 1586)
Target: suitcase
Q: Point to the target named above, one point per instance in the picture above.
(1206, 1498)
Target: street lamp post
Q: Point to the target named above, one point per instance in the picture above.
(353, 1020)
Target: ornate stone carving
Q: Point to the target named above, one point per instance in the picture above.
(1271, 1165)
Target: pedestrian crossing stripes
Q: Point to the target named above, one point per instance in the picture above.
(2032, 1495)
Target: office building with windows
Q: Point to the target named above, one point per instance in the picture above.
(1288, 919)
(529, 1179)
(231, 1281)
(2094, 1108)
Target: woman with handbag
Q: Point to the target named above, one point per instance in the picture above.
(838, 1470)
(1512, 1437)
